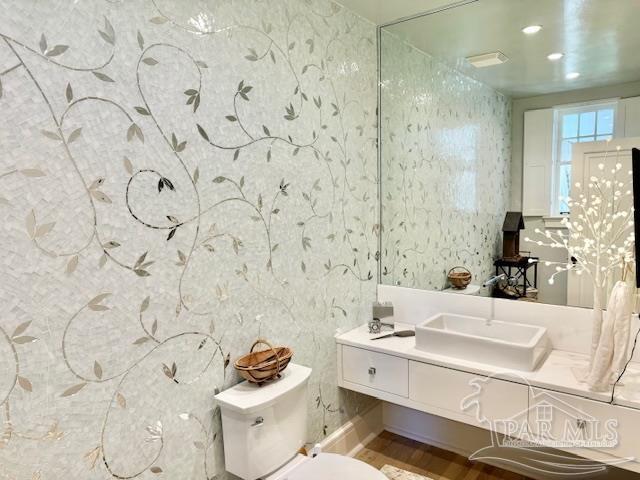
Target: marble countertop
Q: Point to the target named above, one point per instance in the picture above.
(556, 372)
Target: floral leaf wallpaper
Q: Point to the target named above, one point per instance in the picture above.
(446, 149)
(177, 179)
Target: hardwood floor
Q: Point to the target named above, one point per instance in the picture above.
(390, 449)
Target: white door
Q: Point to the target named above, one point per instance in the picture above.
(584, 164)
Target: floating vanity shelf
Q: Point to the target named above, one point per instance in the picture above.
(395, 371)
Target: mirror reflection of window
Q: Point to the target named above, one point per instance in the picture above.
(587, 123)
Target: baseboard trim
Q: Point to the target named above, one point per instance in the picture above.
(351, 437)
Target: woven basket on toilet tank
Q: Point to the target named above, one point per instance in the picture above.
(263, 365)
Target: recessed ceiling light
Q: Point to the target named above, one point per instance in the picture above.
(531, 29)
(555, 56)
(572, 75)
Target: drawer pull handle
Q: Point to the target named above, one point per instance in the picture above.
(372, 370)
(582, 424)
(258, 422)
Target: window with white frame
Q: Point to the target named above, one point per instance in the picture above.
(585, 123)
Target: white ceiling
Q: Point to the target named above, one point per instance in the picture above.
(381, 12)
(600, 39)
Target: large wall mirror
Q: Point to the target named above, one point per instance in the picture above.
(506, 131)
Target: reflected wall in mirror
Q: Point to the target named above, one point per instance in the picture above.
(480, 118)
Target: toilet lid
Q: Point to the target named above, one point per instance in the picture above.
(329, 466)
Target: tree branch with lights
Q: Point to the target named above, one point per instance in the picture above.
(600, 236)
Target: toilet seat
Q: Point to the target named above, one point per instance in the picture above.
(327, 466)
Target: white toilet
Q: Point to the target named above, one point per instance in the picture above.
(264, 427)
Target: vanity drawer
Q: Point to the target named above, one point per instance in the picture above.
(563, 417)
(375, 370)
(448, 390)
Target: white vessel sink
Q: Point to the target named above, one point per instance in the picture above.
(503, 344)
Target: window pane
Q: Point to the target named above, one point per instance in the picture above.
(565, 187)
(587, 123)
(605, 121)
(570, 125)
(565, 155)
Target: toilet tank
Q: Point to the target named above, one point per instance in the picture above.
(264, 427)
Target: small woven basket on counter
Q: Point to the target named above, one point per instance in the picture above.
(459, 279)
(263, 365)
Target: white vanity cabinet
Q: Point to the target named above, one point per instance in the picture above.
(465, 397)
(481, 401)
(559, 416)
(510, 405)
(377, 371)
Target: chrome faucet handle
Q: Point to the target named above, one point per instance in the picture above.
(495, 279)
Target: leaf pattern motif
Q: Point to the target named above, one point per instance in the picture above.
(97, 370)
(218, 212)
(56, 50)
(72, 264)
(103, 76)
(73, 390)
(25, 384)
(20, 329)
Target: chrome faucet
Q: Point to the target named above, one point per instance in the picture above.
(489, 321)
(493, 280)
(511, 281)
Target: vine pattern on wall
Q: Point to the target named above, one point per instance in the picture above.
(445, 169)
(177, 181)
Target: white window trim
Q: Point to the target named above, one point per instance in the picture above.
(553, 220)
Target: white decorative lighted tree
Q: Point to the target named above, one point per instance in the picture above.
(600, 236)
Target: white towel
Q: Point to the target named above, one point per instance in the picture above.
(582, 373)
(599, 374)
(622, 330)
(613, 340)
